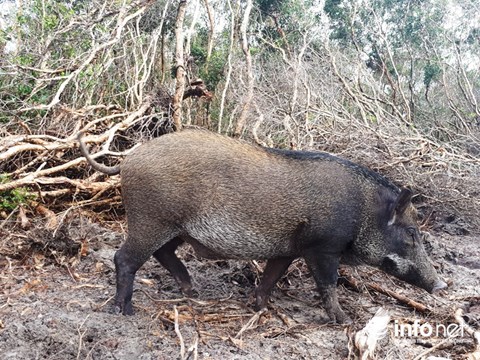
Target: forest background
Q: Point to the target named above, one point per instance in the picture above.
(392, 84)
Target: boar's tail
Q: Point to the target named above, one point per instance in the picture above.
(109, 170)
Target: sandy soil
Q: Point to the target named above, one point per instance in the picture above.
(56, 292)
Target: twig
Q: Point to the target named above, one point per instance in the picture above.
(403, 299)
(4, 222)
(433, 348)
(81, 334)
(193, 350)
(179, 334)
(185, 299)
(252, 323)
(474, 334)
(436, 346)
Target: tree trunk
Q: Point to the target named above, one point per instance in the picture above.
(180, 66)
(229, 64)
(210, 30)
(248, 57)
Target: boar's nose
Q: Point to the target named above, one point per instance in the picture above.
(439, 285)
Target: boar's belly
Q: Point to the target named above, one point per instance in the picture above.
(220, 238)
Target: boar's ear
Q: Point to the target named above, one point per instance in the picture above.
(401, 204)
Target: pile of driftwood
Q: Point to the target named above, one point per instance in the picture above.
(50, 167)
(45, 164)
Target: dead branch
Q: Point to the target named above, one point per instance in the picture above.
(122, 21)
(458, 315)
(179, 334)
(372, 286)
(193, 349)
(50, 166)
(252, 323)
(403, 299)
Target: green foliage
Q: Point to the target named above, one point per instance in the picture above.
(284, 22)
(211, 71)
(199, 49)
(24, 90)
(11, 199)
(25, 59)
(431, 72)
(338, 17)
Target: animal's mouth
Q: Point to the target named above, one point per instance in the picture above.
(439, 285)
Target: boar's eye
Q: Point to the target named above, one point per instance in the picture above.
(412, 232)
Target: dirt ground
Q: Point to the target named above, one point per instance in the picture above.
(56, 289)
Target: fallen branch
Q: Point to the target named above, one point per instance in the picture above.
(403, 299)
(192, 349)
(372, 286)
(50, 166)
(475, 355)
(252, 323)
(179, 334)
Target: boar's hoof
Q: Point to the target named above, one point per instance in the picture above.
(257, 307)
(339, 317)
(126, 309)
(188, 291)
(261, 300)
(346, 321)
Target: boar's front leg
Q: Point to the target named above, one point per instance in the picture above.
(169, 260)
(324, 270)
(274, 270)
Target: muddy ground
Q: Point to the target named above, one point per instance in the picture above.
(56, 289)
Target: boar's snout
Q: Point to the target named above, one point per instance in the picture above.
(439, 285)
(419, 273)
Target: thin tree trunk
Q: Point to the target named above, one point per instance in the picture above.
(248, 57)
(162, 58)
(188, 41)
(229, 63)
(210, 30)
(180, 66)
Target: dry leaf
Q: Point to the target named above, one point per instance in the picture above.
(52, 221)
(375, 330)
(148, 282)
(22, 216)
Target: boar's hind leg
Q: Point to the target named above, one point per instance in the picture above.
(166, 256)
(127, 261)
(274, 270)
(324, 271)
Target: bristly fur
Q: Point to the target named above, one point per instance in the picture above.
(323, 156)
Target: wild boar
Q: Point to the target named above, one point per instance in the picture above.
(233, 200)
